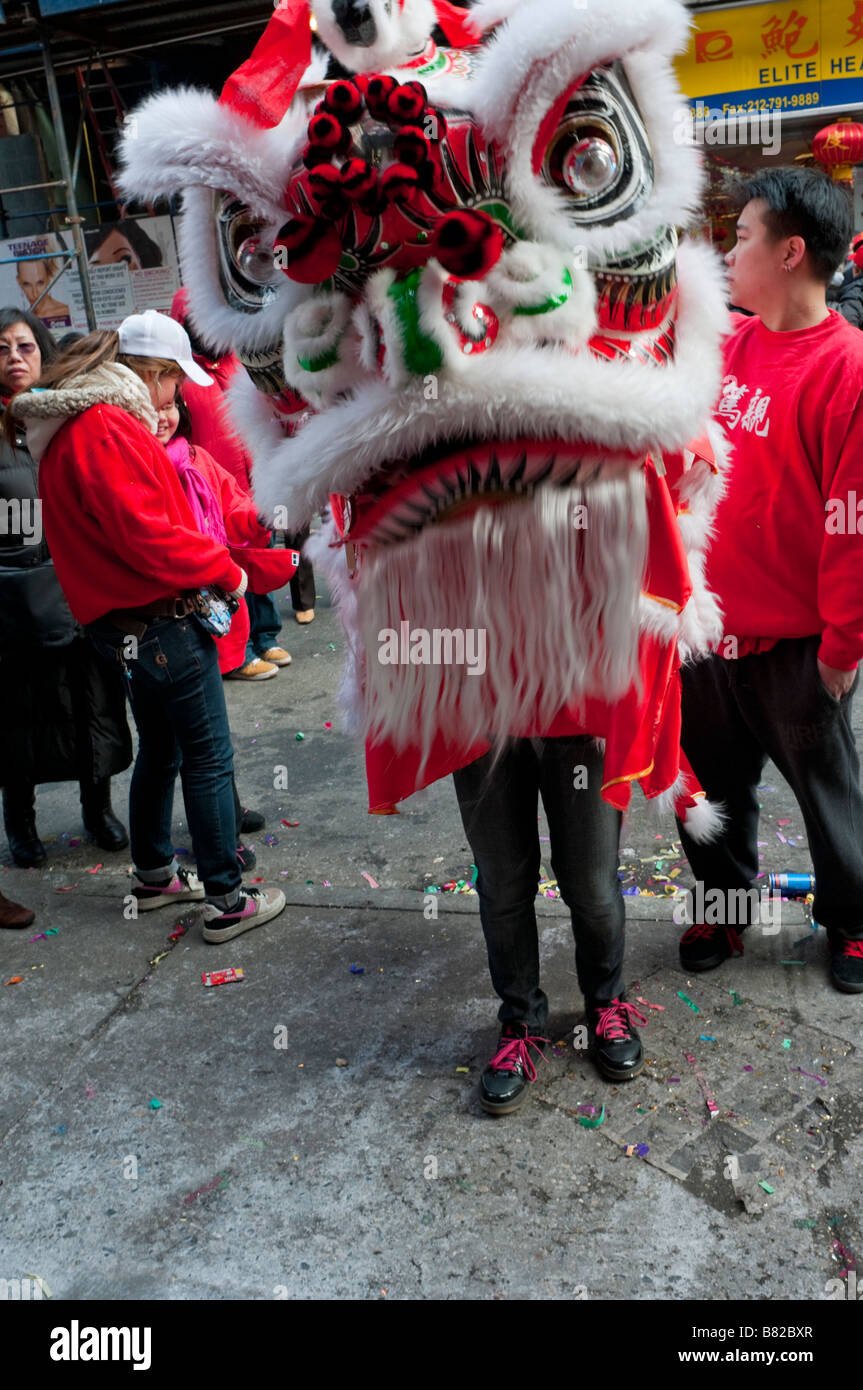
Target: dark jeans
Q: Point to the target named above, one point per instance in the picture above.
(499, 807)
(178, 703)
(774, 704)
(265, 624)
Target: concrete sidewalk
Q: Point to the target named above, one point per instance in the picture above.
(269, 1169)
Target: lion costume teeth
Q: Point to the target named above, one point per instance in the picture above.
(456, 282)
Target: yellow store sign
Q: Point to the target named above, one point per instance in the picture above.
(779, 56)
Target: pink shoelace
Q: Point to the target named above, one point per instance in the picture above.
(612, 1021)
(853, 948)
(701, 929)
(514, 1051)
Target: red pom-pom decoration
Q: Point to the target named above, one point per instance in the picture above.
(315, 155)
(325, 130)
(377, 93)
(411, 146)
(325, 183)
(344, 100)
(467, 243)
(314, 249)
(434, 124)
(358, 178)
(399, 183)
(407, 103)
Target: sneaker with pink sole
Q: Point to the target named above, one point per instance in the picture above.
(184, 887)
(254, 908)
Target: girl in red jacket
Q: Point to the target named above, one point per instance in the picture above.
(130, 558)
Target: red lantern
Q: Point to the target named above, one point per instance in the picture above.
(838, 147)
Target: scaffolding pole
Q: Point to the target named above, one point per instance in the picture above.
(72, 217)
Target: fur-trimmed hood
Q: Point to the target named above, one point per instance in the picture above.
(111, 384)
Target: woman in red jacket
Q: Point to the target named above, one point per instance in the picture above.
(130, 559)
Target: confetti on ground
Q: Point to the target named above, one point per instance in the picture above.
(735, 996)
(73, 844)
(807, 1225)
(748, 1068)
(709, 1098)
(67, 889)
(15, 980)
(686, 999)
(40, 936)
(328, 724)
(341, 1061)
(673, 1081)
(642, 1150)
(792, 962)
(464, 1069)
(156, 959)
(95, 869)
(332, 646)
(358, 970)
(648, 1005)
(786, 1042)
(767, 1187)
(37, 1279)
(811, 1074)
(590, 1123)
(270, 840)
(705, 1038)
(371, 881)
(292, 824)
(300, 737)
(90, 1092)
(219, 1182)
(155, 1104)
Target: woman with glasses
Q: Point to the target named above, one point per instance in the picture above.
(64, 716)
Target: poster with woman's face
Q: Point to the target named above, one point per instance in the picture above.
(26, 283)
(132, 267)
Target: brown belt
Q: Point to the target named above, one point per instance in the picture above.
(128, 619)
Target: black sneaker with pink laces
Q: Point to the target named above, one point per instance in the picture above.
(503, 1085)
(617, 1049)
(704, 947)
(846, 966)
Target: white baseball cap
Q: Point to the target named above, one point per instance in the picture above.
(152, 334)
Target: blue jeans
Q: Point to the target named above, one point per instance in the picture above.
(265, 624)
(178, 703)
(498, 804)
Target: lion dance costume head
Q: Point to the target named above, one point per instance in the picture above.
(448, 254)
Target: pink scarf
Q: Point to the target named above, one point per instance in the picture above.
(199, 494)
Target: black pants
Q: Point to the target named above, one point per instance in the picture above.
(303, 583)
(499, 809)
(774, 704)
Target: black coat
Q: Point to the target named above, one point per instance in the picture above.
(63, 706)
(850, 301)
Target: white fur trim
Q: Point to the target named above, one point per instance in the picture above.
(515, 392)
(185, 137)
(401, 35)
(704, 821)
(468, 575)
(328, 558)
(316, 327)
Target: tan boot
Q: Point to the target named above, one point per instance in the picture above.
(256, 670)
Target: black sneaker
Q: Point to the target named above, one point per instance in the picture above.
(503, 1085)
(250, 821)
(846, 967)
(617, 1049)
(703, 947)
(246, 858)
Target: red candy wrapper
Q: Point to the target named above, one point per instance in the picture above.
(222, 977)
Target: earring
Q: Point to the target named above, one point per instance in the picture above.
(788, 268)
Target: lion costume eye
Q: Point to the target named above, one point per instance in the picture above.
(599, 155)
(248, 274)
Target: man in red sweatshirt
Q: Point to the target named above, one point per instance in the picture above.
(786, 563)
